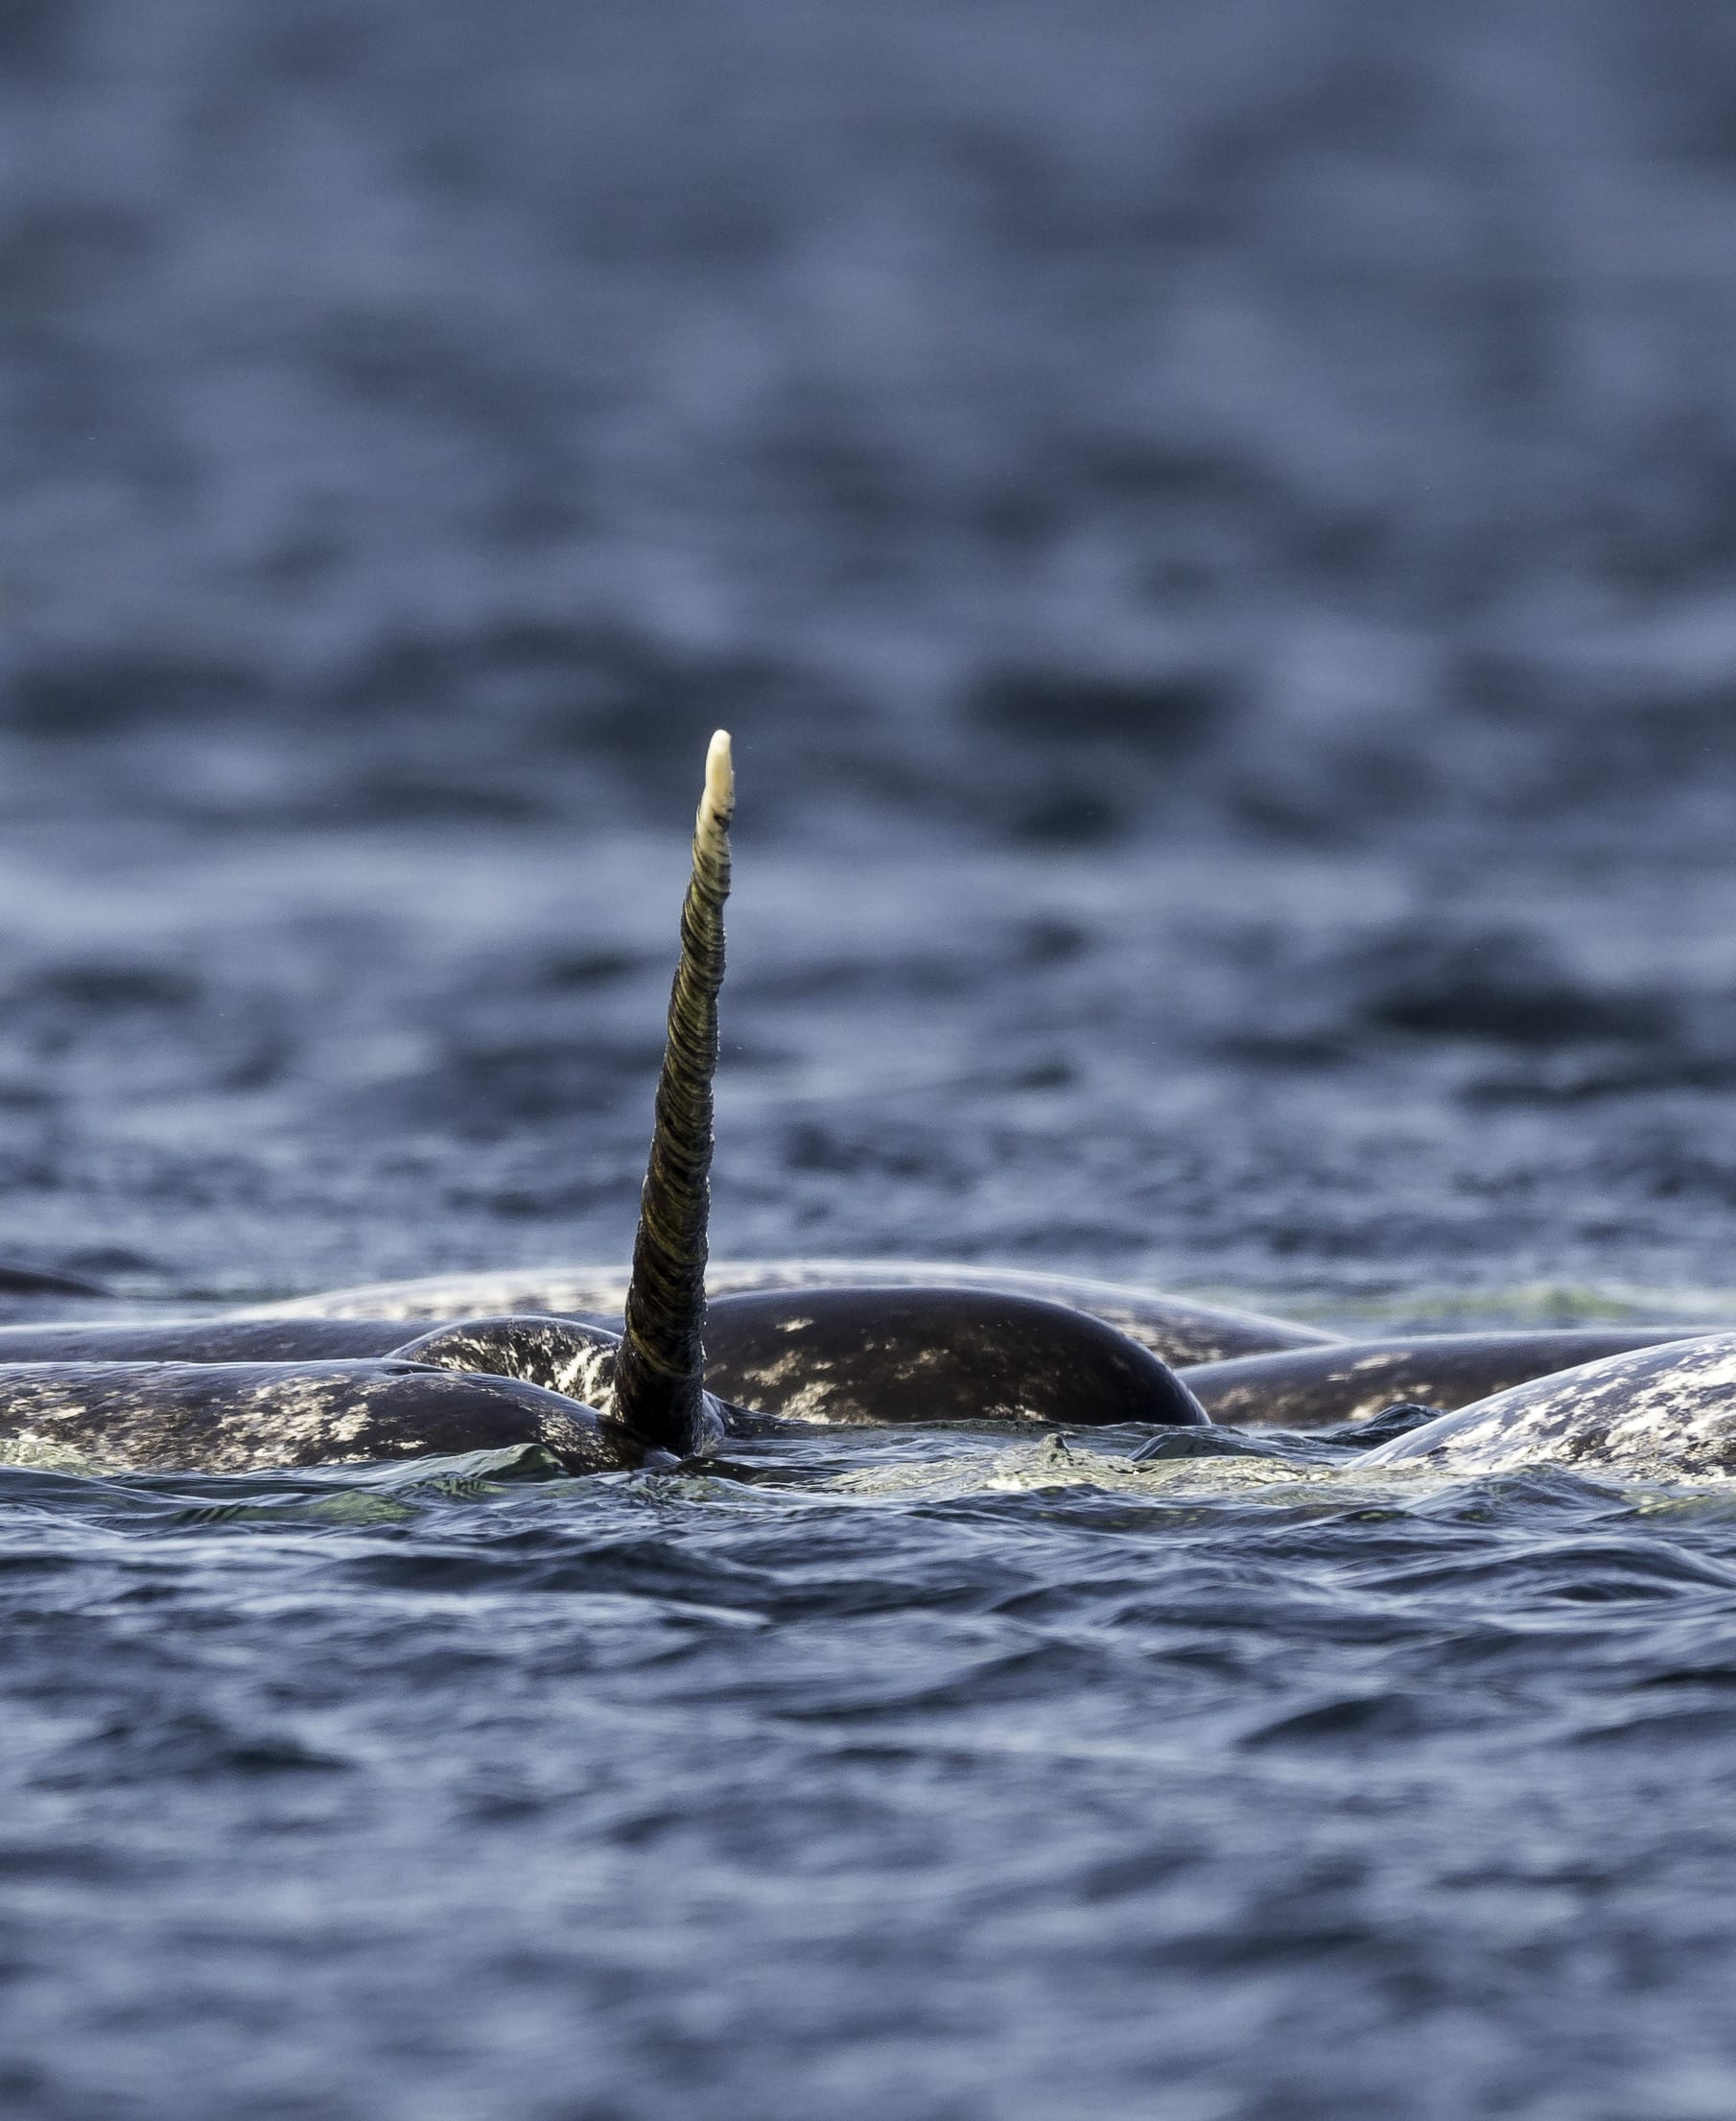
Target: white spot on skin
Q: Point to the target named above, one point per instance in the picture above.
(1667, 1411)
(242, 1417)
(812, 1402)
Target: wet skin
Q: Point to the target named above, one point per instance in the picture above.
(876, 1354)
(234, 1416)
(1176, 1329)
(229, 1394)
(829, 1356)
(1353, 1379)
(1664, 1412)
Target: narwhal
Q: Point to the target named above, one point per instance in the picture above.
(290, 1389)
(214, 1398)
(606, 1373)
(1355, 1380)
(1664, 1412)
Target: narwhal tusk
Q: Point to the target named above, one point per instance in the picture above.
(659, 1390)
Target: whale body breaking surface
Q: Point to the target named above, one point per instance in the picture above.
(245, 1392)
(600, 1372)
(1665, 1411)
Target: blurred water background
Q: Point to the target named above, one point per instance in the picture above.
(1211, 525)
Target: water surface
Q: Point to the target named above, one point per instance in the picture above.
(1211, 526)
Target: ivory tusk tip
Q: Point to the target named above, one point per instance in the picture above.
(719, 776)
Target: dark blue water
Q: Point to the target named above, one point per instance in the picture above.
(1212, 527)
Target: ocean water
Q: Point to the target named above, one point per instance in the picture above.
(1212, 528)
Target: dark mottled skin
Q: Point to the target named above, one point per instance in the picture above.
(574, 1359)
(561, 1353)
(1664, 1412)
(858, 1355)
(1352, 1379)
(1176, 1328)
(237, 1417)
(867, 1355)
(878, 1354)
(206, 1341)
(577, 1360)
